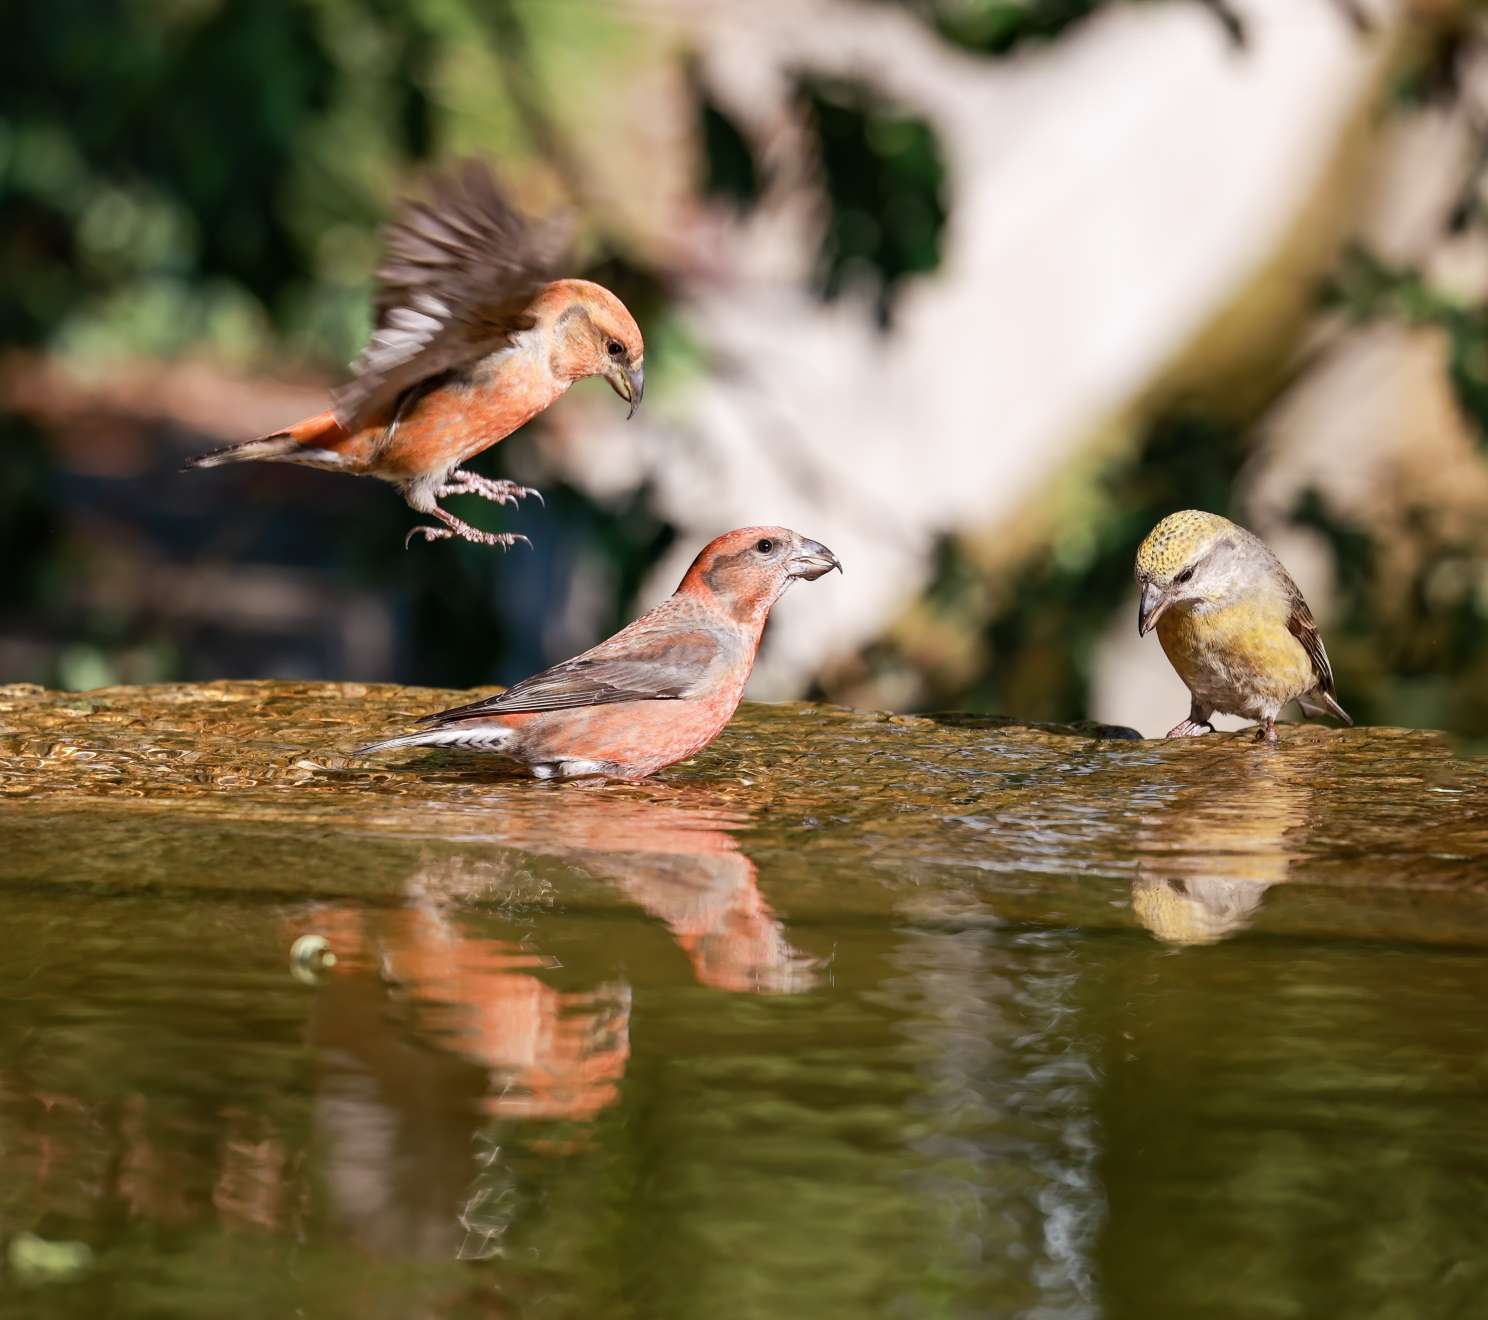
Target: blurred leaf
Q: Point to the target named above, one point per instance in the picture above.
(885, 181)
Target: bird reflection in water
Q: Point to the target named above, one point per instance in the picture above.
(436, 1033)
(1212, 850)
(547, 1053)
(684, 867)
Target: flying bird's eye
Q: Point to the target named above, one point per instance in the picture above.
(1184, 576)
(765, 546)
(614, 348)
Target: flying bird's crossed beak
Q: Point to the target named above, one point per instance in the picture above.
(629, 383)
(812, 561)
(1154, 603)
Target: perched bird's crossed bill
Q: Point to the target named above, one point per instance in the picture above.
(659, 690)
(474, 335)
(1232, 623)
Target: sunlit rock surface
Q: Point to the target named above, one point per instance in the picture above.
(855, 809)
(917, 1015)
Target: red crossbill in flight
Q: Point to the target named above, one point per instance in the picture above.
(659, 690)
(474, 336)
(1232, 623)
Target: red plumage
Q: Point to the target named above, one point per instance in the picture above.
(660, 689)
(473, 338)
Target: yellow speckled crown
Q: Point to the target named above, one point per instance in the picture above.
(1176, 540)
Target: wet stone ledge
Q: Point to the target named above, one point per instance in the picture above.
(1363, 833)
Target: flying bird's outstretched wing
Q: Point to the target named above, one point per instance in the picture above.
(645, 666)
(459, 269)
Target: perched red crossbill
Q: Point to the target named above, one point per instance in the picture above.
(1232, 622)
(473, 337)
(657, 691)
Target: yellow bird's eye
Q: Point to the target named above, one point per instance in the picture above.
(1184, 576)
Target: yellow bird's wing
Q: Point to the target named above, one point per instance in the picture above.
(1303, 627)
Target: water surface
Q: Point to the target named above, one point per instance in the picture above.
(852, 1015)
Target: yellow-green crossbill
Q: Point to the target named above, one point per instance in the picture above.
(1232, 622)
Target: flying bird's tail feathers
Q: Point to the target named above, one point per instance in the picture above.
(304, 442)
(477, 737)
(1318, 702)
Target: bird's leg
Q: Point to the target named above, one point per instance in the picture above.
(456, 527)
(460, 482)
(1196, 724)
(1267, 732)
(423, 497)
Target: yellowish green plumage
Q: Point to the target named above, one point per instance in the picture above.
(1178, 539)
(1231, 621)
(1240, 658)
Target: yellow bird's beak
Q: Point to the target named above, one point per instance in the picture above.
(1151, 608)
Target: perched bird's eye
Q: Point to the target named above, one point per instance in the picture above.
(1184, 576)
(765, 546)
(614, 348)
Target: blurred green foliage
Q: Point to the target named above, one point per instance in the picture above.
(730, 172)
(1366, 289)
(28, 524)
(150, 153)
(884, 177)
(998, 27)
(995, 27)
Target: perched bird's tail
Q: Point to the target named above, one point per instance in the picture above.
(304, 442)
(1318, 702)
(477, 737)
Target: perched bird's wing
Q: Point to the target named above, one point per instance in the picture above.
(1302, 626)
(645, 665)
(1323, 703)
(457, 274)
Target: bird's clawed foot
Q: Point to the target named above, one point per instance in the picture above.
(1267, 732)
(457, 527)
(461, 482)
(1189, 728)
